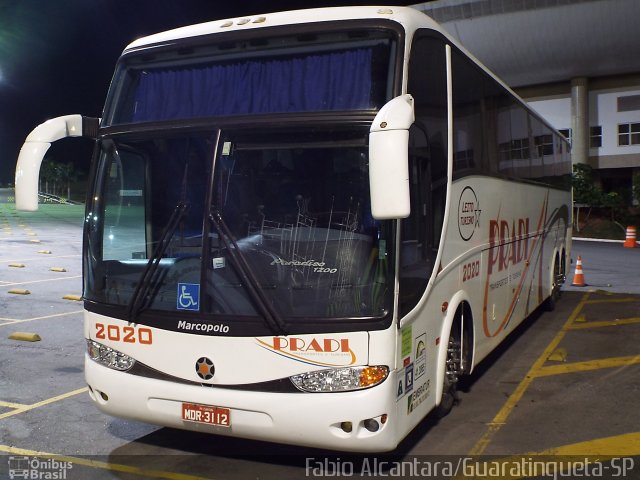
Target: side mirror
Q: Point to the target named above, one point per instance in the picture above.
(389, 159)
(36, 145)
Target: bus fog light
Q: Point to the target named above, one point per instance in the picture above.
(340, 379)
(371, 424)
(109, 357)
(346, 427)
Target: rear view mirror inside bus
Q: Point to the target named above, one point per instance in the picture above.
(388, 159)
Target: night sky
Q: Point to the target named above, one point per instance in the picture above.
(57, 57)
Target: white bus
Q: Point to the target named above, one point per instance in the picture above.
(304, 227)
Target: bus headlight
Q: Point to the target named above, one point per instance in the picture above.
(109, 357)
(340, 379)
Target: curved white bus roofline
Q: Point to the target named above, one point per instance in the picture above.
(409, 17)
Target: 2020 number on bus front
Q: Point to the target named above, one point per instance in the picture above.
(194, 412)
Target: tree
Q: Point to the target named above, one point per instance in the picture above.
(57, 175)
(585, 190)
(48, 174)
(587, 194)
(636, 186)
(615, 202)
(67, 175)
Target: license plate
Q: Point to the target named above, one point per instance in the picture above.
(210, 415)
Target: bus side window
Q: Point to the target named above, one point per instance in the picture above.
(427, 167)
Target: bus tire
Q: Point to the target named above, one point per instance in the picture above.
(449, 398)
(556, 283)
(451, 370)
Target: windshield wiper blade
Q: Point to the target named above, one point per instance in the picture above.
(139, 298)
(271, 316)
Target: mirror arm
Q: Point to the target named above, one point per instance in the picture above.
(35, 147)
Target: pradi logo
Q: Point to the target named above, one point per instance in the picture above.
(507, 246)
(324, 351)
(300, 345)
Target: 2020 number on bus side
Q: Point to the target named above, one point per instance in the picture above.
(303, 227)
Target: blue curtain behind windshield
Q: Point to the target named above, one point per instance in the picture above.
(310, 83)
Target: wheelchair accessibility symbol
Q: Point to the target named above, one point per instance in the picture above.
(188, 296)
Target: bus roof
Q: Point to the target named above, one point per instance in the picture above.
(410, 18)
(406, 16)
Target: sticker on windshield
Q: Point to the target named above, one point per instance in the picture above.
(188, 296)
(218, 262)
(226, 148)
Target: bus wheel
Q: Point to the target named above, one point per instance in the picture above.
(452, 370)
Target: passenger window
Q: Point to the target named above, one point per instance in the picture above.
(427, 168)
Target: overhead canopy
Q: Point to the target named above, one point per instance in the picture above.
(532, 42)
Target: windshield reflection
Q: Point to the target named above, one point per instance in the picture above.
(298, 241)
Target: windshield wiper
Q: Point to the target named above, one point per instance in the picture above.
(139, 298)
(271, 316)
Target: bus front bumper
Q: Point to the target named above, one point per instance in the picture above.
(318, 420)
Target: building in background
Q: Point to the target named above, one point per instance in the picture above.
(576, 62)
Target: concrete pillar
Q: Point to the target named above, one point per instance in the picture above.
(580, 120)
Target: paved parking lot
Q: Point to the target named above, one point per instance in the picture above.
(566, 385)
(607, 266)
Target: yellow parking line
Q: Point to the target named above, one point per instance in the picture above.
(560, 462)
(39, 258)
(607, 323)
(12, 405)
(612, 300)
(26, 408)
(115, 467)
(13, 321)
(587, 366)
(40, 281)
(501, 417)
(626, 445)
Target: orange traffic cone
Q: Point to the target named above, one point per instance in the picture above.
(578, 278)
(630, 241)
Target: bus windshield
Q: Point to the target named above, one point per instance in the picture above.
(192, 223)
(318, 72)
